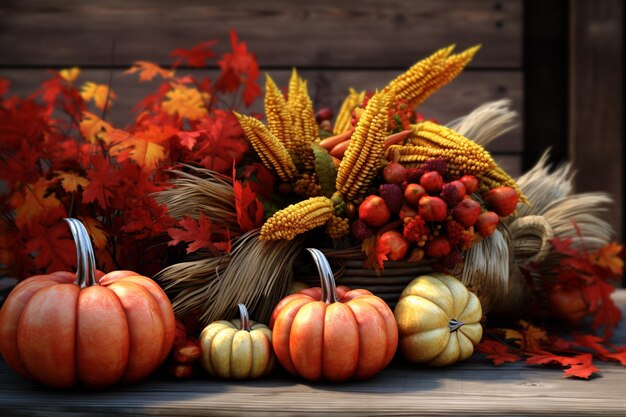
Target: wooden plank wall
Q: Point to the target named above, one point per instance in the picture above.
(334, 44)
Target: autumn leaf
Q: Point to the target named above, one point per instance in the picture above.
(32, 201)
(98, 236)
(189, 139)
(240, 68)
(49, 238)
(92, 127)
(199, 234)
(196, 56)
(498, 352)
(71, 181)
(608, 257)
(564, 246)
(249, 208)
(579, 366)
(4, 86)
(185, 102)
(619, 356)
(104, 182)
(148, 70)
(372, 259)
(70, 74)
(144, 147)
(99, 93)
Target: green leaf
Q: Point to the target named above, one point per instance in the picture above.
(325, 168)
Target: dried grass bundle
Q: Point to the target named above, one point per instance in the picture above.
(486, 122)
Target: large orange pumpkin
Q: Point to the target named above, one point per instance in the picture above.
(333, 333)
(63, 329)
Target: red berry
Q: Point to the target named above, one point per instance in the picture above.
(392, 244)
(413, 193)
(453, 192)
(392, 194)
(470, 182)
(433, 209)
(407, 211)
(487, 223)
(432, 182)
(374, 212)
(502, 200)
(325, 113)
(466, 212)
(438, 247)
(394, 173)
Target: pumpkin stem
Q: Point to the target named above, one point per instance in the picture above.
(244, 317)
(329, 289)
(85, 258)
(454, 325)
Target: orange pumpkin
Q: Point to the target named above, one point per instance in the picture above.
(333, 333)
(63, 329)
(568, 303)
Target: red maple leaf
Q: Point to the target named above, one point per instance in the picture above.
(249, 207)
(222, 142)
(564, 246)
(196, 56)
(50, 241)
(239, 68)
(619, 355)
(579, 366)
(4, 86)
(104, 181)
(199, 234)
(498, 352)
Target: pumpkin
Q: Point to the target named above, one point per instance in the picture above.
(237, 349)
(65, 329)
(333, 333)
(568, 303)
(438, 320)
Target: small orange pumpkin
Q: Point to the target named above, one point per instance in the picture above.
(65, 329)
(568, 303)
(333, 333)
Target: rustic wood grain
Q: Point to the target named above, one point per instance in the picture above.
(596, 108)
(472, 388)
(322, 34)
(327, 88)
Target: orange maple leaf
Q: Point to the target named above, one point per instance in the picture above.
(186, 102)
(608, 257)
(92, 127)
(529, 337)
(71, 181)
(99, 93)
(32, 201)
(148, 70)
(94, 228)
(70, 74)
(144, 147)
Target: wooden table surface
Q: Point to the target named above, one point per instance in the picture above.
(475, 387)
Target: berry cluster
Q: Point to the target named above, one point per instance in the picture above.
(423, 212)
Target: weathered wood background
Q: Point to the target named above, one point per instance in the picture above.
(338, 44)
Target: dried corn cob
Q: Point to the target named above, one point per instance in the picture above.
(452, 68)
(298, 218)
(411, 83)
(273, 154)
(367, 146)
(305, 129)
(307, 185)
(278, 117)
(337, 227)
(343, 122)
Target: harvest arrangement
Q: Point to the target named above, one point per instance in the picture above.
(416, 234)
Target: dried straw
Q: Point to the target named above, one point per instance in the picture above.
(486, 122)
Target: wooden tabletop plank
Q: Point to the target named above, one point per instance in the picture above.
(324, 33)
(475, 387)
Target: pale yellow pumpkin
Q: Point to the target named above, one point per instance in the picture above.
(237, 349)
(438, 320)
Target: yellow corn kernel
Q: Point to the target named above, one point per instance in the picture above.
(297, 218)
(343, 121)
(273, 154)
(367, 146)
(278, 117)
(305, 129)
(337, 227)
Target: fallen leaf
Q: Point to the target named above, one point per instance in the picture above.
(148, 70)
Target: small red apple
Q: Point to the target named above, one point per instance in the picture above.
(433, 209)
(470, 182)
(325, 113)
(374, 211)
(487, 223)
(502, 200)
(413, 193)
(394, 173)
(392, 244)
(432, 182)
(438, 247)
(466, 212)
